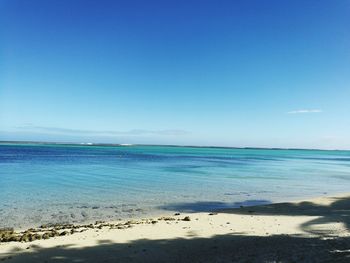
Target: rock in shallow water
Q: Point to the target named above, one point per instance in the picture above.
(84, 214)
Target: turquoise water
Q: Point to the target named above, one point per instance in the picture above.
(71, 183)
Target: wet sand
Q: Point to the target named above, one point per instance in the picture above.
(316, 230)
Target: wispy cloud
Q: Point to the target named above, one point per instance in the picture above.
(67, 131)
(304, 111)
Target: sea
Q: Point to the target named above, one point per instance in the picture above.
(72, 183)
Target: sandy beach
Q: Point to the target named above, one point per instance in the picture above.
(315, 230)
(174, 131)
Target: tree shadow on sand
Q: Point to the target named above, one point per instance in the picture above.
(220, 248)
(210, 206)
(338, 211)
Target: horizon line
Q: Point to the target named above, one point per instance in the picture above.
(168, 145)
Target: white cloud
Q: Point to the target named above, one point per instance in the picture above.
(304, 111)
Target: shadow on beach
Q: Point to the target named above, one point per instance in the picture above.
(211, 206)
(320, 246)
(336, 212)
(220, 248)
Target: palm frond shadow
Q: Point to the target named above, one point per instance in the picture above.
(338, 211)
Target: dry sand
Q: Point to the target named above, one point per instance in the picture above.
(309, 231)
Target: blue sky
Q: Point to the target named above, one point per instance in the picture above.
(227, 73)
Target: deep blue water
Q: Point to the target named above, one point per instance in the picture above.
(72, 183)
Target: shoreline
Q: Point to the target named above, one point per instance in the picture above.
(313, 220)
(158, 213)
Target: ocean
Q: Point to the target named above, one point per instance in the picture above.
(53, 183)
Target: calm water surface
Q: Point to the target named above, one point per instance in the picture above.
(69, 183)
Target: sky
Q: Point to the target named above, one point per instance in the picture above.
(226, 73)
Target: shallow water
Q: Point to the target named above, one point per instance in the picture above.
(72, 183)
